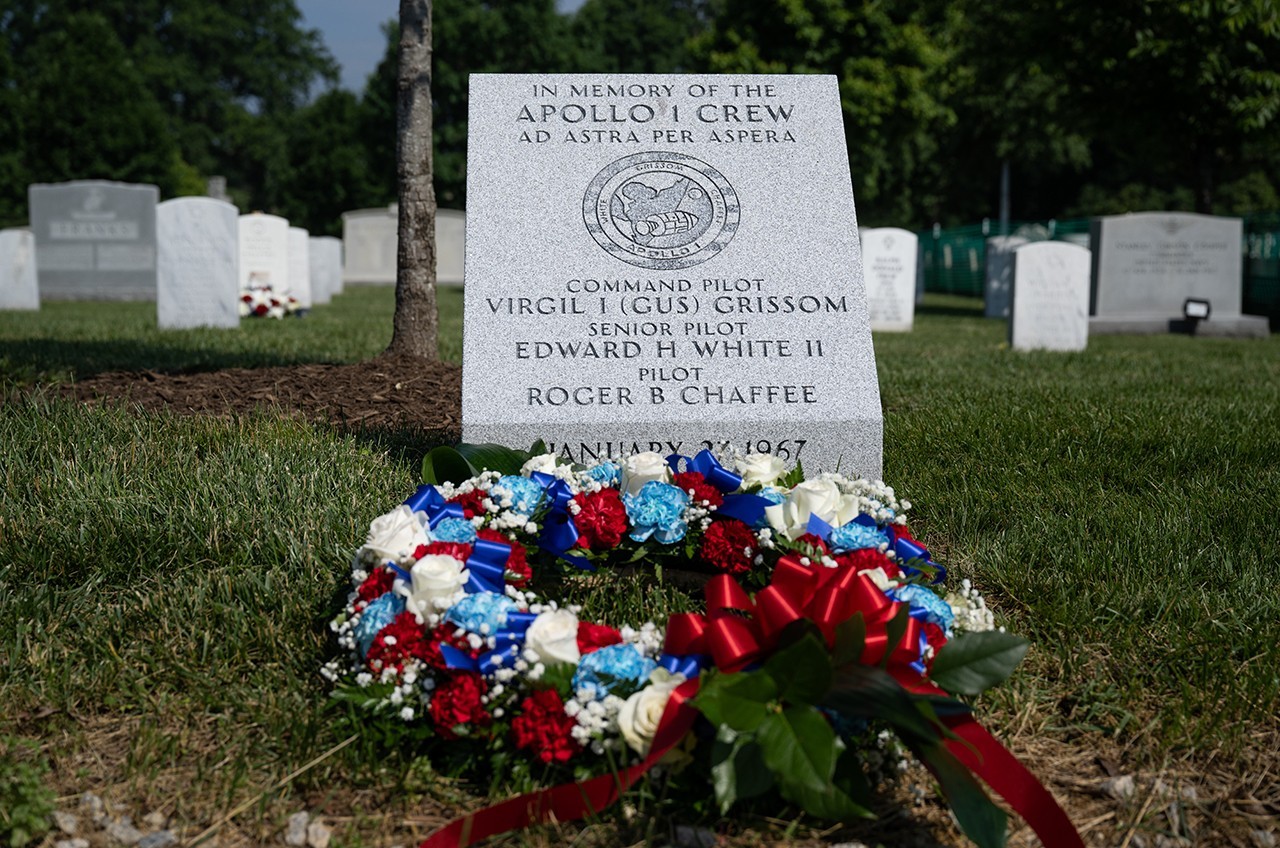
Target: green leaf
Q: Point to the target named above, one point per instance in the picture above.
(445, 465)
(863, 691)
(974, 662)
(740, 701)
(491, 457)
(738, 770)
(538, 448)
(832, 803)
(802, 671)
(851, 640)
(981, 820)
(800, 748)
(792, 478)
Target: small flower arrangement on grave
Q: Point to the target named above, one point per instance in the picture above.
(260, 301)
(847, 656)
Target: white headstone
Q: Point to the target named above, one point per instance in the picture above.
(666, 263)
(264, 252)
(451, 246)
(325, 256)
(95, 240)
(1148, 264)
(198, 282)
(18, 287)
(889, 259)
(1050, 309)
(369, 238)
(995, 302)
(300, 266)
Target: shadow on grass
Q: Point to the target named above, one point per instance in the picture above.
(403, 445)
(955, 307)
(45, 359)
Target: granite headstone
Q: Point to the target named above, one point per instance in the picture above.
(95, 240)
(264, 252)
(325, 257)
(666, 263)
(1146, 265)
(889, 259)
(451, 246)
(196, 263)
(999, 284)
(18, 287)
(300, 266)
(369, 239)
(1050, 309)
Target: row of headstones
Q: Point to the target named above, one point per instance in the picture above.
(1144, 269)
(1052, 312)
(98, 240)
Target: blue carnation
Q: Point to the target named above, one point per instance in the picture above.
(481, 612)
(614, 670)
(380, 612)
(525, 494)
(925, 602)
(457, 530)
(854, 537)
(657, 510)
(606, 473)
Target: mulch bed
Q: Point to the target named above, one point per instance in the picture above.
(387, 393)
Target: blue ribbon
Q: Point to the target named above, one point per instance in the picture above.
(690, 665)
(559, 533)
(907, 550)
(819, 527)
(508, 644)
(748, 509)
(429, 500)
(487, 566)
(709, 467)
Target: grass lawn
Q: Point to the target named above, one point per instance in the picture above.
(165, 581)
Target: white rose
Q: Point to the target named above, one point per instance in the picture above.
(437, 580)
(762, 468)
(395, 535)
(553, 636)
(819, 497)
(642, 468)
(640, 714)
(546, 463)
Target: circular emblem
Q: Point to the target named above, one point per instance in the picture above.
(661, 210)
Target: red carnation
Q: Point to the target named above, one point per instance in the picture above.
(472, 503)
(728, 546)
(593, 637)
(375, 586)
(517, 562)
(457, 550)
(260, 309)
(399, 641)
(543, 728)
(602, 519)
(692, 481)
(457, 701)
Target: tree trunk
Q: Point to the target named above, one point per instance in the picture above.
(415, 323)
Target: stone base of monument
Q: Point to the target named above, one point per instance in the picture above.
(1226, 326)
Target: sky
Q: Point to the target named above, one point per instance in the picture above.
(352, 30)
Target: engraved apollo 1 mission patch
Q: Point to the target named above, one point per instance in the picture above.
(661, 210)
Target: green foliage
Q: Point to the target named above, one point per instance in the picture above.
(26, 798)
(971, 663)
(770, 716)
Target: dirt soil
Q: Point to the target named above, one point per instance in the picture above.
(1112, 800)
(387, 393)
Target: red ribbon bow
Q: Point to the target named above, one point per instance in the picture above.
(738, 630)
